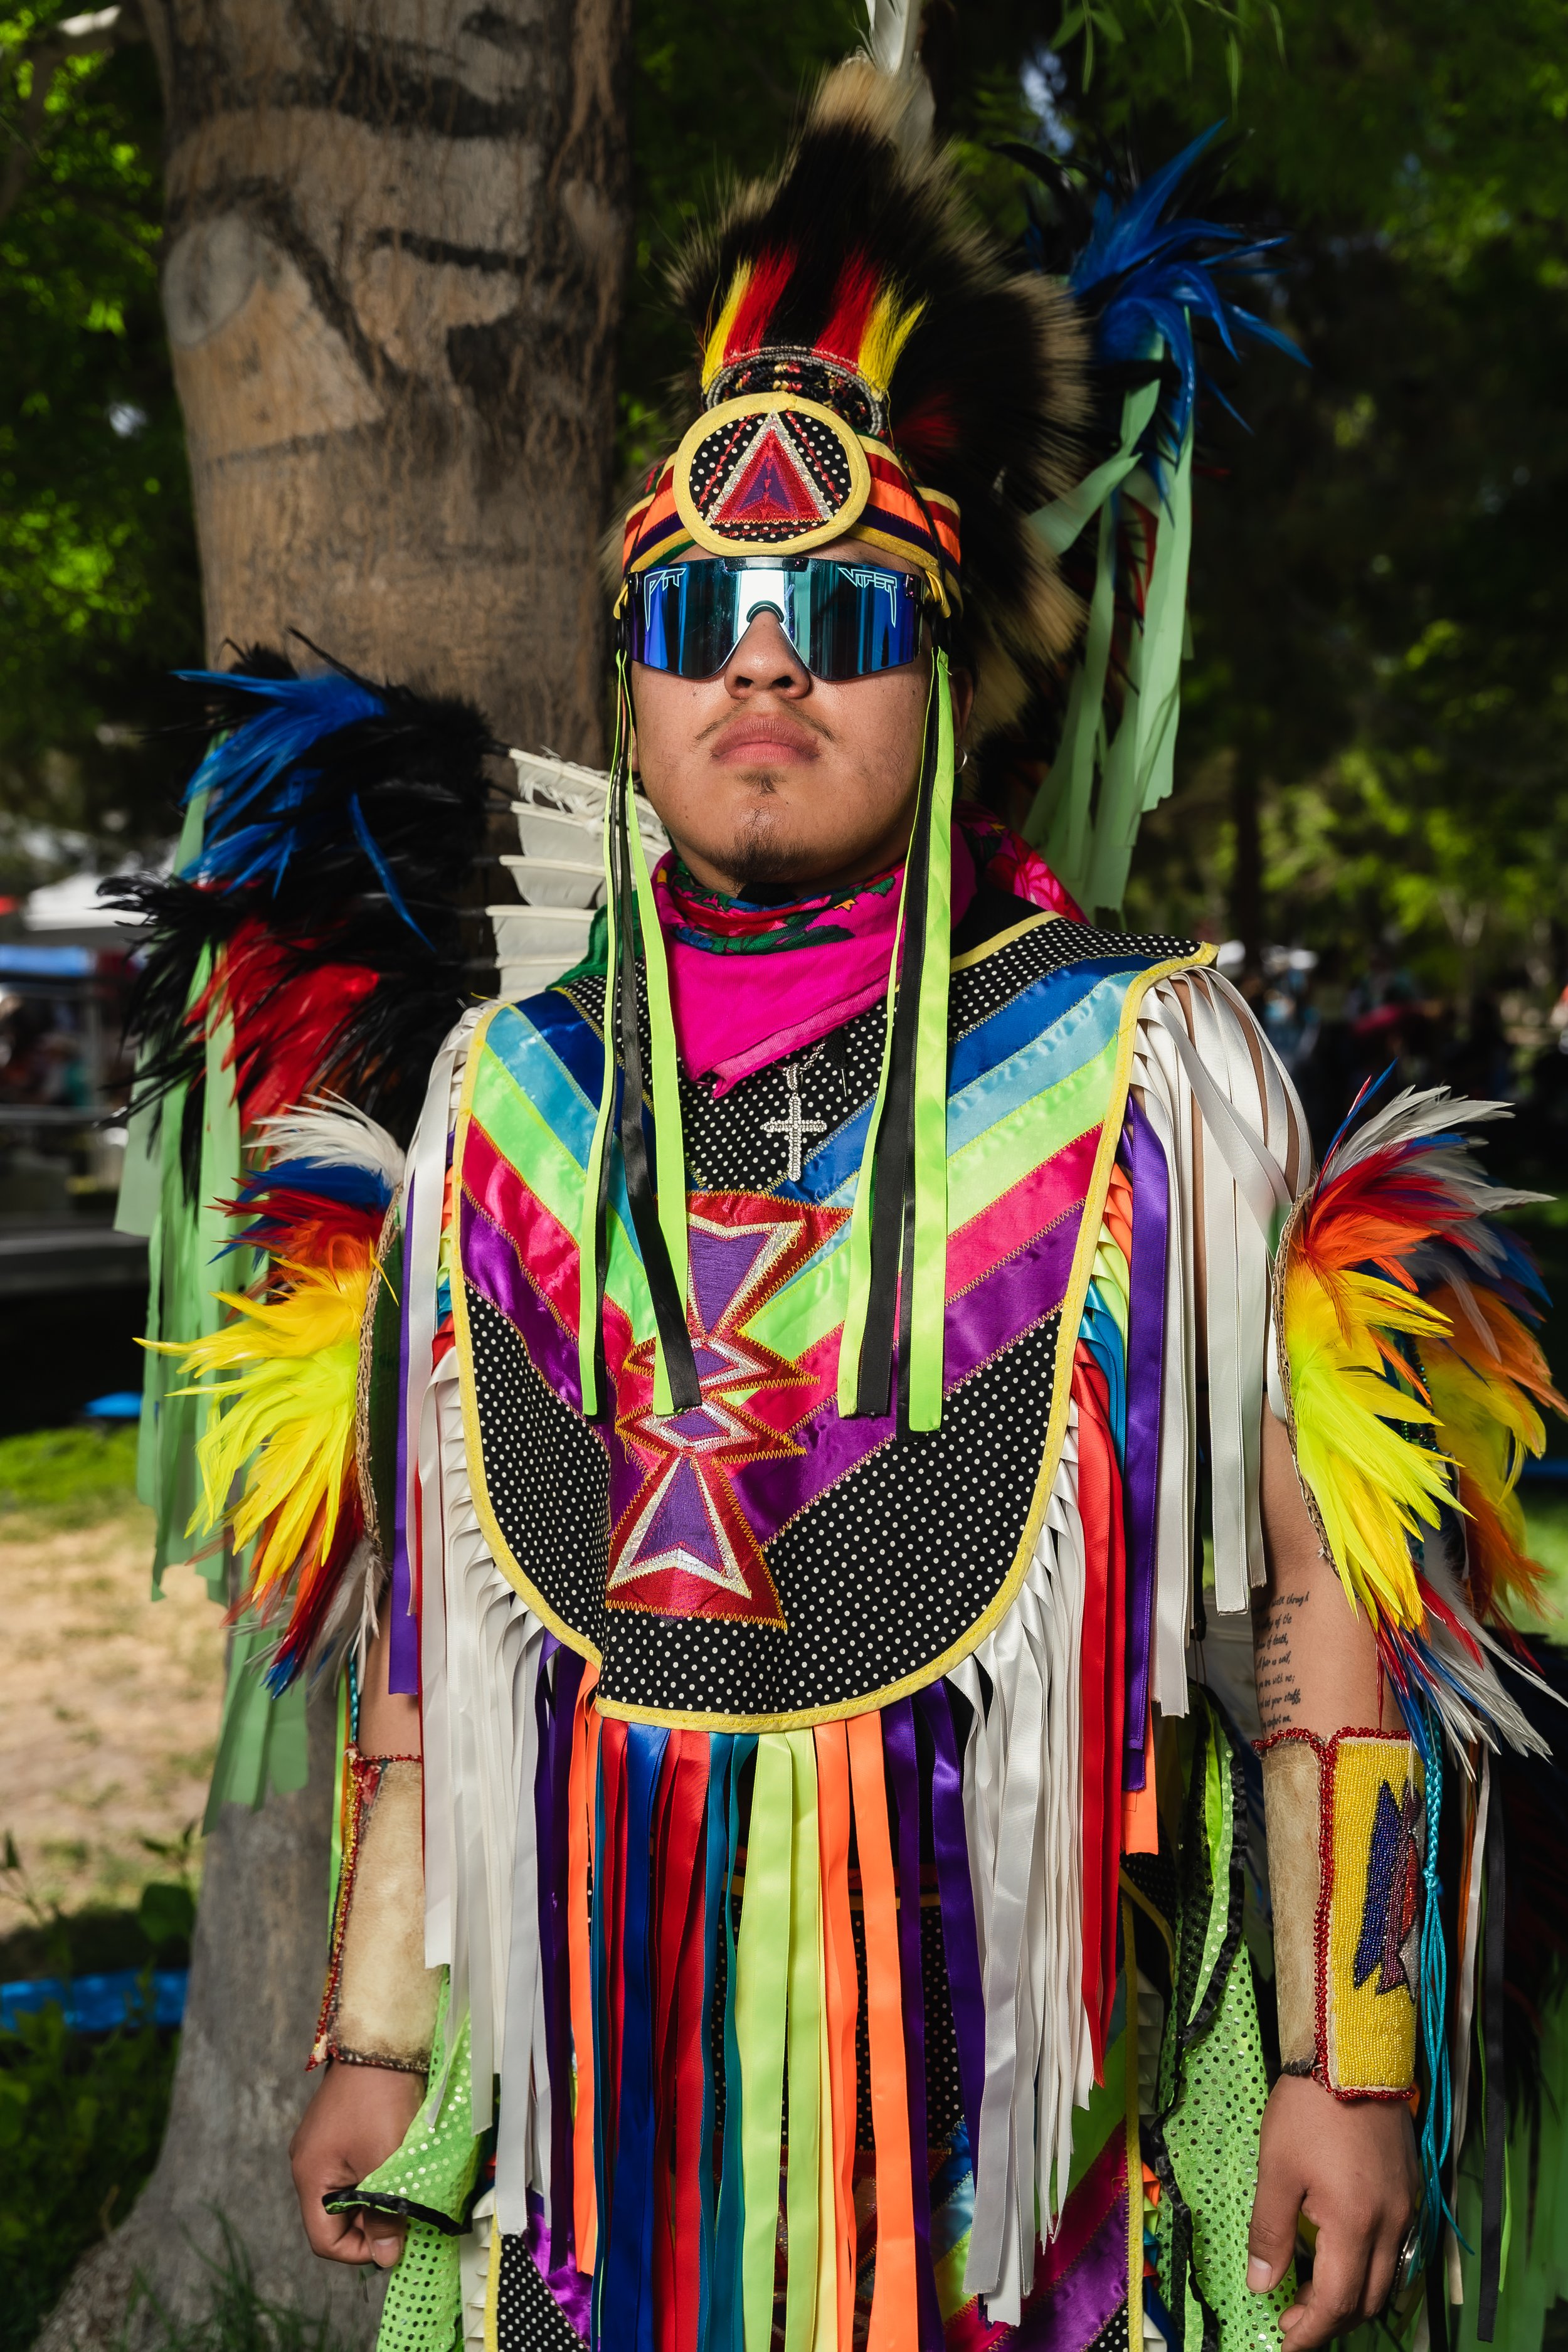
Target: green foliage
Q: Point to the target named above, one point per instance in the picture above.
(81, 2122)
(713, 99)
(1238, 23)
(1379, 562)
(238, 2318)
(65, 1478)
(99, 589)
(81, 2116)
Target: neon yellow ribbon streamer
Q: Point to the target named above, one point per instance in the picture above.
(928, 1304)
(669, 1143)
(588, 1238)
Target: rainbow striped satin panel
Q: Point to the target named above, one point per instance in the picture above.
(1030, 1089)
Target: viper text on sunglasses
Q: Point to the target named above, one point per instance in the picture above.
(844, 619)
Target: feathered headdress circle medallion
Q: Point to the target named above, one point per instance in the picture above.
(768, 472)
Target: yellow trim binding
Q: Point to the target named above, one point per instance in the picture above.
(842, 1710)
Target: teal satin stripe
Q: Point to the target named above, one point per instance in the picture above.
(1057, 1053)
(1101, 1334)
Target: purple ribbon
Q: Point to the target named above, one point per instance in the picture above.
(552, 1787)
(1066, 2313)
(1145, 1374)
(898, 1743)
(959, 1938)
(572, 2290)
(402, 1648)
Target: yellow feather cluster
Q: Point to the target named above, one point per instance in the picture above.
(284, 1380)
(891, 323)
(1375, 1490)
(1484, 1386)
(713, 351)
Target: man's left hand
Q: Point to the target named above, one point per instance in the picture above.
(1350, 2167)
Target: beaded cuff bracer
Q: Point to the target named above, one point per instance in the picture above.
(1346, 1837)
(379, 2009)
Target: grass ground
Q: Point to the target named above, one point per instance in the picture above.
(109, 1707)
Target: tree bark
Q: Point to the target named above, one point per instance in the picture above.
(396, 233)
(396, 248)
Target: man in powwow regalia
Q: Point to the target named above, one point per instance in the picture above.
(812, 1824)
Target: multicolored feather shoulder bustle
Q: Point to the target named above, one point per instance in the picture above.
(1416, 1388)
(283, 1377)
(311, 935)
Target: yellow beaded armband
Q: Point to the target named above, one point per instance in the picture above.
(1347, 1828)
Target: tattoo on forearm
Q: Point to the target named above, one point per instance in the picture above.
(1274, 1661)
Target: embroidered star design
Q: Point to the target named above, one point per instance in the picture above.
(683, 1546)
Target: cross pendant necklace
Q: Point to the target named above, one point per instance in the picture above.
(795, 1126)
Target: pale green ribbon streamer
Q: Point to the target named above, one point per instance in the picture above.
(669, 1142)
(928, 1304)
(1089, 839)
(762, 2010)
(1060, 524)
(1138, 764)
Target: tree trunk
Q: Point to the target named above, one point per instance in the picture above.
(395, 246)
(256, 1964)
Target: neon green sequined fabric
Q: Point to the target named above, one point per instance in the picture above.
(1212, 2079)
(434, 2168)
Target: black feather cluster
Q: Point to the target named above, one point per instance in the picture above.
(344, 827)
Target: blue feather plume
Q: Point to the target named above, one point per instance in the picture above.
(261, 809)
(359, 1188)
(1147, 278)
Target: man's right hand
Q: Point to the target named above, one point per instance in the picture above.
(359, 2117)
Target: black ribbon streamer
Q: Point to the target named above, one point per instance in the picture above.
(1493, 2181)
(893, 1165)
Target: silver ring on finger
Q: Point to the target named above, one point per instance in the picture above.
(1407, 2263)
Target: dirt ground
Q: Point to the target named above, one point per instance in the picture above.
(108, 1709)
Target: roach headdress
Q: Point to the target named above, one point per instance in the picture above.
(869, 366)
(870, 362)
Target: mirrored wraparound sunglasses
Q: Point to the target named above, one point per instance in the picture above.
(844, 619)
